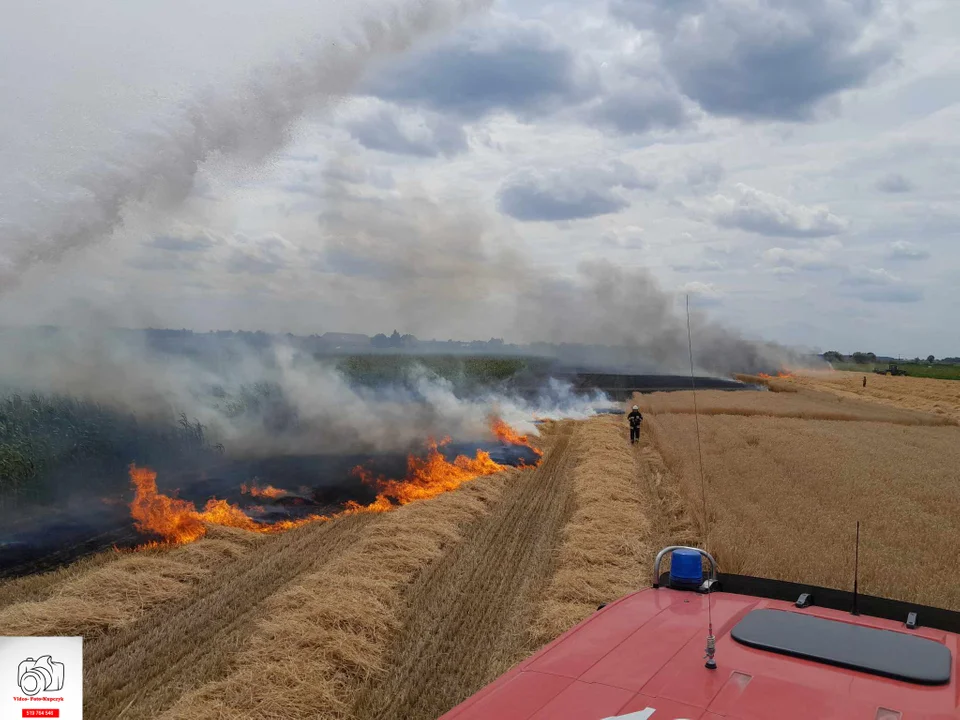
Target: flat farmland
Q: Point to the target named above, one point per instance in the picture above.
(789, 474)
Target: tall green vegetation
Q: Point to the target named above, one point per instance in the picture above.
(45, 437)
(466, 372)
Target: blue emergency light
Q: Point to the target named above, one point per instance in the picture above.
(685, 568)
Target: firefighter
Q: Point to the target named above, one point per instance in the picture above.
(635, 419)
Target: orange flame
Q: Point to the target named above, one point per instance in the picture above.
(175, 520)
(780, 374)
(506, 434)
(268, 492)
(178, 521)
(426, 478)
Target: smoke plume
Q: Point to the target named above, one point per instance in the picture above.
(158, 168)
(432, 269)
(272, 399)
(446, 270)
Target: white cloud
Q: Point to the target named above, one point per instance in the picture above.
(695, 287)
(259, 256)
(421, 134)
(776, 60)
(630, 237)
(905, 250)
(872, 276)
(701, 266)
(572, 193)
(799, 258)
(768, 214)
(878, 285)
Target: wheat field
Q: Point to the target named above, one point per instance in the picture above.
(937, 397)
(787, 476)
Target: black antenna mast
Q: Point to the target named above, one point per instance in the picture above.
(856, 570)
(711, 650)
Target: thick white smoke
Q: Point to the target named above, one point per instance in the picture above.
(47, 217)
(274, 399)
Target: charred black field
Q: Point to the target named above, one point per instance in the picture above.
(39, 536)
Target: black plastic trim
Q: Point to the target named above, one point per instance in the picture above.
(897, 610)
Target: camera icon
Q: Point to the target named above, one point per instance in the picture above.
(42, 674)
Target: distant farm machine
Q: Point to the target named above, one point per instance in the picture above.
(891, 369)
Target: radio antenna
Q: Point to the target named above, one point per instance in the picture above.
(711, 663)
(856, 570)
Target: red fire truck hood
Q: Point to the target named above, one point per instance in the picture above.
(642, 658)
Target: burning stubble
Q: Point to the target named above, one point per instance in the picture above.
(178, 521)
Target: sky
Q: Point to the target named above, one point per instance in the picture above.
(296, 167)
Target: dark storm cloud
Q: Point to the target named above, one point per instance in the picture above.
(894, 183)
(430, 135)
(776, 59)
(570, 194)
(520, 68)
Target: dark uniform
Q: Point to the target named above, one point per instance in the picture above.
(635, 419)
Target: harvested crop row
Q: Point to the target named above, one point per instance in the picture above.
(318, 639)
(146, 666)
(110, 593)
(467, 619)
(606, 545)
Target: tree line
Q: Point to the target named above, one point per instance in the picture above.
(866, 358)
